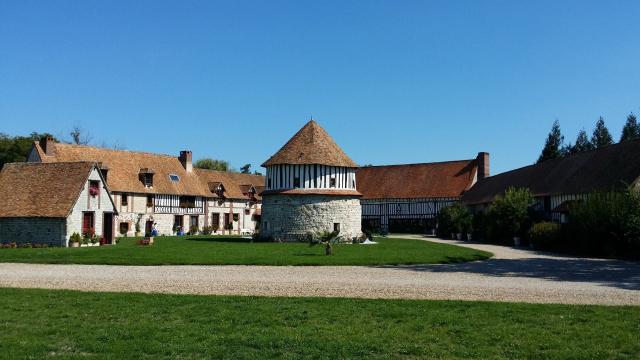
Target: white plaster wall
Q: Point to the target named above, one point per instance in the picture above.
(86, 202)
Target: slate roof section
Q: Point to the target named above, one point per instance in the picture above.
(311, 145)
(412, 181)
(44, 190)
(612, 167)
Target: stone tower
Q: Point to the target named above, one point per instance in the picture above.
(310, 188)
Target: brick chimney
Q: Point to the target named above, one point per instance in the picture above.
(186, 160)
(483, 165)
(47, 145)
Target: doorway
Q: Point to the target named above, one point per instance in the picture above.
(107, 227)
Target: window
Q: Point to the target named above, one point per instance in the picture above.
(177, 222)
(236, 217)
(174, 177)
(296, 182)
(247, 211)
(215, 221)
(193, 223)
(87, 223)
(269, 183)
(336, 227)
(94, 187)
(124, 199)
(150, 199)
(147, 179)
(124, 228)
(332, 182)
(187, 201)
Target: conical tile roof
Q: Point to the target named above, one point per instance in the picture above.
(311, 145)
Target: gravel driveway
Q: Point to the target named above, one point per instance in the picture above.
(512, 275)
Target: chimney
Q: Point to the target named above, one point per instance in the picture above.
(483, 165)
(47, 145)
(186, 160)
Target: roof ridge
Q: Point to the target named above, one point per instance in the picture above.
(417, 164)
(116, 150)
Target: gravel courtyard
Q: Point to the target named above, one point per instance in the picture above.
(512, 275)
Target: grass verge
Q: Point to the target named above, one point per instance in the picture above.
(221, 250)
(42, 324)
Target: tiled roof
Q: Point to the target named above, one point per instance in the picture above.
(313, 192)
(614, 166)
(236, 185)
(311, 145)
(412, 181)
(125, 166)
(41, 190)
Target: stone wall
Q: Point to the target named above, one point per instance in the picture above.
(87, 203)
(51, 231)
(293, 218)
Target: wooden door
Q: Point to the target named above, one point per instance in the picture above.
(107, 227)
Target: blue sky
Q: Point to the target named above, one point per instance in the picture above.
(392, 81)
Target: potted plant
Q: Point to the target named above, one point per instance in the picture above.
(74, 240)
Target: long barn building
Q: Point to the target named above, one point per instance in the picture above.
(408, 198)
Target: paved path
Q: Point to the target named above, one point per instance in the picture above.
(512, 275)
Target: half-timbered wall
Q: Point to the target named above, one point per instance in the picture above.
(310, 177)
(383, 210)
(170, 204)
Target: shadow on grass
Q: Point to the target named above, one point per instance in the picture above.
(221, 239)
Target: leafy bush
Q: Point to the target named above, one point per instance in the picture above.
(454, 219)
(606, 224)
(508, 215)
(207, 230)
(545, 235)
(75, 238)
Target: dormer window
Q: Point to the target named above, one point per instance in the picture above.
(187, 201)
(174, 177)
(146, 176)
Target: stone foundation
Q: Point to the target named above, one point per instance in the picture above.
(295, 217)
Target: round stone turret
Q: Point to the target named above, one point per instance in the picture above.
(310, 188)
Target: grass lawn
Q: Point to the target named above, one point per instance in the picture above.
(42, 324)
(220, 250)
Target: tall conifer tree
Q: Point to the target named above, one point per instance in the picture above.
(631, 129)
(553, 146)
(601, 136)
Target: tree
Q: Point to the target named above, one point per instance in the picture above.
(79, 137)
(553, 146)
(631, 129)
(582, 143)
(601, 136)
(510, 212)
(246, 169)
(16, 148)
(212, 164)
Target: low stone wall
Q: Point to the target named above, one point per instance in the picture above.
(50, 231)
(294, 218)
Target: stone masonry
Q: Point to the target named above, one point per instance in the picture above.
(293, 218)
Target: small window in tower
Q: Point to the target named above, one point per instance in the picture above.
(332, 182)
(353, 184)
(269, 183)
(296, 182)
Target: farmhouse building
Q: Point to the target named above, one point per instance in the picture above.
(557, 183)
(310, 188)
(408, 198)
(166, 190)
(47, 203)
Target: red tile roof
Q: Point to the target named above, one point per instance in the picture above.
(411, 181)
(41, 190)
(311, 145)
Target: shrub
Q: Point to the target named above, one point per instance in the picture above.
(606, 224)
(508, 215)
(75, 238)
(454, 219)
(207, 230)
(545, 235)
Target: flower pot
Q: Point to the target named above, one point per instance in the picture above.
(469, 237)
(459, 236)
(516, 241)
(75, 244)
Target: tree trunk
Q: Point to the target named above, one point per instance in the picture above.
(328, 250)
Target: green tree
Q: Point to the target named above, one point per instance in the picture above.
(631, 129)
(582, 143)
(16, 148)
(601, 136)
(212, 164)
(246, 169)
(511, 212)
(553, 146)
